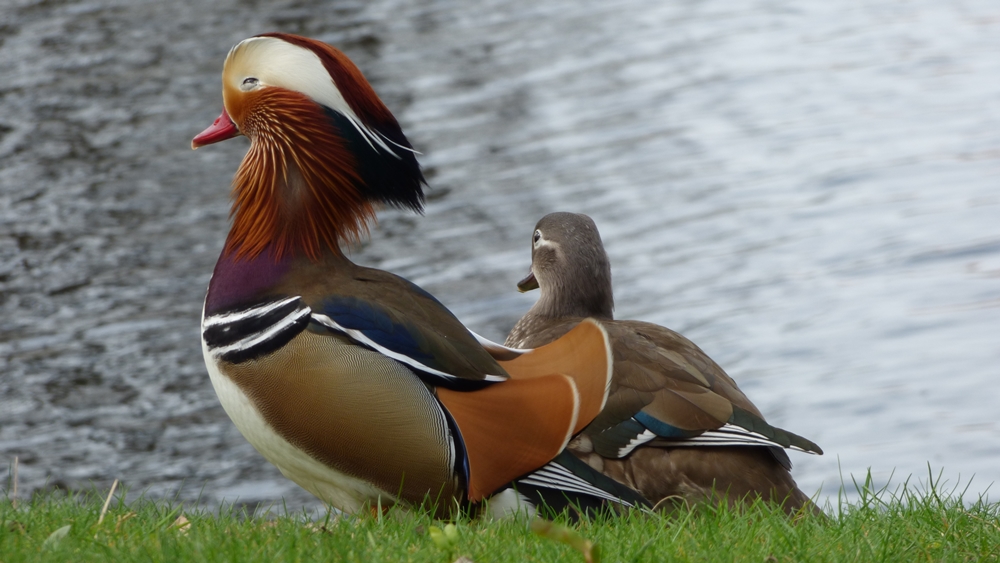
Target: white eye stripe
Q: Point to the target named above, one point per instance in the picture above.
(546, 243)
(275, 62)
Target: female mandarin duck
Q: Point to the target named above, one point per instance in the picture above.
(675, 425)
(358, 385)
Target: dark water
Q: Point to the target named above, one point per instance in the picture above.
(807, 190)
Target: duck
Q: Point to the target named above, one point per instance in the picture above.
(676, 428)
(357, 384)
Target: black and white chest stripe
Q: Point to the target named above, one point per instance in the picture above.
(240, 335)
(244, 334)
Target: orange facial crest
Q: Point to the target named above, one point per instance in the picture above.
(297, 189)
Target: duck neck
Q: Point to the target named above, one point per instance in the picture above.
(299, 188)
(239, 281)
(574, 300)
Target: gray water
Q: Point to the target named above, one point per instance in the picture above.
(807, 190)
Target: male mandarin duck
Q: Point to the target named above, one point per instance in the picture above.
(675, 425)
(357, 384)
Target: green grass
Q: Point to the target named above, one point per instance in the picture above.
(905, 524)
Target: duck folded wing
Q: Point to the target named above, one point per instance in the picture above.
(441, 350)
(668, 392)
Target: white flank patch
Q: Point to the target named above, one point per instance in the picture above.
(510, 503)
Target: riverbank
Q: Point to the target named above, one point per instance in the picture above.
(909, 523)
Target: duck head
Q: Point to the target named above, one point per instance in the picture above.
(324, 149)
(570, 266)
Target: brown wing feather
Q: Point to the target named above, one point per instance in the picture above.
(675, 358)
(655, 369)
(584, 354)
(513, 427)
(690, 411)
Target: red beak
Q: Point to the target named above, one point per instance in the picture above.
(221, 129)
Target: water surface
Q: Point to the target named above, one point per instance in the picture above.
(807, 190)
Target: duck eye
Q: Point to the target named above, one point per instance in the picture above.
(536, 237)
(249, 83)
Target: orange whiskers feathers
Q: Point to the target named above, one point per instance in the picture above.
(297, 189)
